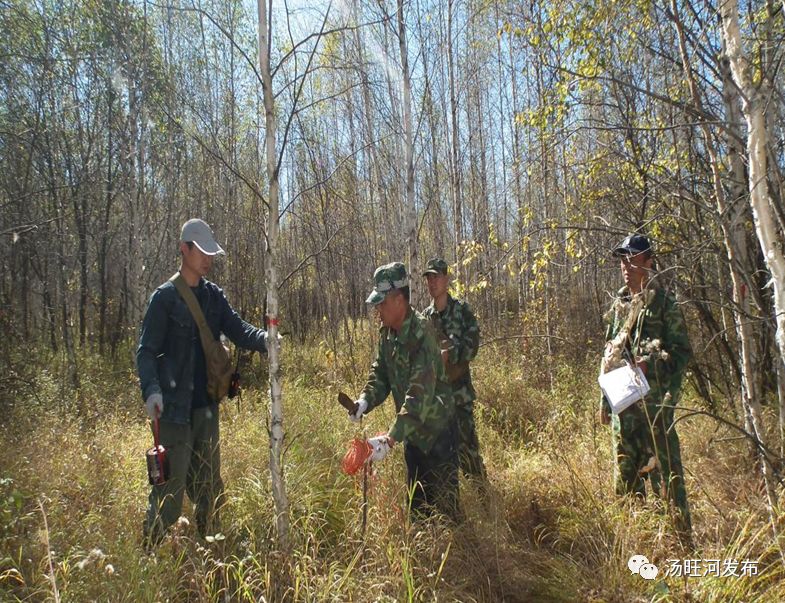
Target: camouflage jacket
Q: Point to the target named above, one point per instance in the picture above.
(408, 364)
(457, 329)
(658, 337)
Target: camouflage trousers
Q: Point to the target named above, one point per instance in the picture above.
(469, 456)
(646, 446)
(432, 478)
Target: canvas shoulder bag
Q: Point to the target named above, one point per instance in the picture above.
(216, 356)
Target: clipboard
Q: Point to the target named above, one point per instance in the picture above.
(623, 387)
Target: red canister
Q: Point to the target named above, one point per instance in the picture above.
(157, 461)
(157, 466)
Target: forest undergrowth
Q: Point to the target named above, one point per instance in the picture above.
(73, 488)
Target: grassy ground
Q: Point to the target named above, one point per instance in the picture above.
(73, 479)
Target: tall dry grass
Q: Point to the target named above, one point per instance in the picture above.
(551, 531)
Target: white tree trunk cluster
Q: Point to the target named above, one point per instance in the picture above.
(769, 237)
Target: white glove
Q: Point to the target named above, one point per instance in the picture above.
(357, 415)
(381, 446)
(154, 405)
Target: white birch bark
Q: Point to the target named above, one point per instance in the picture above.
(769, 236)
(271, 275)
(410, 210)
(735, 246)
(455, 134)
(732, 218)
(372, 165)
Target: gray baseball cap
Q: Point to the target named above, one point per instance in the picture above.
(197, 231)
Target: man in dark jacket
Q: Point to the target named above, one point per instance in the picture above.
(173, 377)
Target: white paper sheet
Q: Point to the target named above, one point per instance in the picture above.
(623, 387)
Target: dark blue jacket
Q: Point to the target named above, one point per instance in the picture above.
(165, 356)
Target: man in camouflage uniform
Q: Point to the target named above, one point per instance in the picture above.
(459, 338)
(646, 327)
(408, 364)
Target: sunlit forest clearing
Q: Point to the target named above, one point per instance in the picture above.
(555, 531)
(520, 141)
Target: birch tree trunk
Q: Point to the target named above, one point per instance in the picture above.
(371, 164)
(271, 276)
(769, 236)
(410, 211)
(456, 158)
(735, 246)
(732, 219)
(517, 167)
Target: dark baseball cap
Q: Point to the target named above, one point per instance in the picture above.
(633, 245)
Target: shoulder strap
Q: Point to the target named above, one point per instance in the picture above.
(623, 335)
(636, 305)
(196, 311)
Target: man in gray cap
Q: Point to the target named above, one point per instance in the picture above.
(173, 375)
(409, 366)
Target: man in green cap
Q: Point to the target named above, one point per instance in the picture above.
(409, 366)
(459, 338)
(646, 329)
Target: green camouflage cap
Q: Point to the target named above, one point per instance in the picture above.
(435, 266)
(385, 279)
